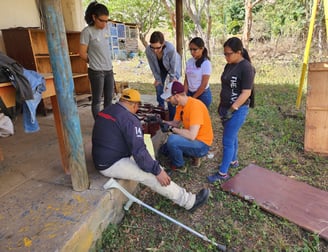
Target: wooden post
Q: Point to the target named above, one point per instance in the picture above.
(64, 85)
(179, 26)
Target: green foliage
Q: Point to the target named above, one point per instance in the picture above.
(110, 239)
(235, 16)
(283, 18)
(270, 19)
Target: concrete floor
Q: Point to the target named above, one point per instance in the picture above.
(39, 210)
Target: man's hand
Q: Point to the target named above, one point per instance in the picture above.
(165, 127)
(163, 178)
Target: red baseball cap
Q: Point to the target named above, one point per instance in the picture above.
(172, 88)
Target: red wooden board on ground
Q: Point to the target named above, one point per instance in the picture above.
(296, 201)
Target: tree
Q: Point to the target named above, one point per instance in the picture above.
(199, 13)
(262, 18)
(248, 20)
(170, 9)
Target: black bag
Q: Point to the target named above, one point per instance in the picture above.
(4, 77)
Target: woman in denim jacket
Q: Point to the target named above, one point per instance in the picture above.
(165, 63)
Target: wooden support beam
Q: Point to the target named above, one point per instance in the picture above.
(64, 85)
(179, 26)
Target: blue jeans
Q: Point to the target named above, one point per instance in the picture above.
(102, 83)
(230, 137)
(30, 121)
(159, 91)
(178, 146)
(38, 85)
(205, 97)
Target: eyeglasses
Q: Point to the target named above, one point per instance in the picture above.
(155, 48)
(228, 53)
(193, 49)
(102, 20)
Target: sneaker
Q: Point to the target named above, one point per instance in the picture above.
(201, 199)
(181, 169)
(196, 161)
(234, 164)
(217, 177)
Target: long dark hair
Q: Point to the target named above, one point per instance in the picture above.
(97, 9)
(199, 42)
(237, 45)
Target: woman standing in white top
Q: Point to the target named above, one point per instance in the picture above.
(198, 72)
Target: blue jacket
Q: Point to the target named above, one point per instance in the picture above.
(117, 134)
(171, 62)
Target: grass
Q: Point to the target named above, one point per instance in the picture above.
(272, 137)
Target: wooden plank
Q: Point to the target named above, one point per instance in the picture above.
(316, 133)
(316, 117)
(60, 134)
(8, 94)
(296, 201)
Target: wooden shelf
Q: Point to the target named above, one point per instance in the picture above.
(79, 75)
(41, 56)
(29, 47)
(74, 55)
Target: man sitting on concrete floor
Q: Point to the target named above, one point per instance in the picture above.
(192, 128)
(119, 151)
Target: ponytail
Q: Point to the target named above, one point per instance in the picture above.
(97, 9)
(245, 55)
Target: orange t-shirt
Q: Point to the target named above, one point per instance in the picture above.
(196, 113)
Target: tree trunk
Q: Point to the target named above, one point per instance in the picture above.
(248, 23)
(142, 38)
(194, 11)
(209, 27)
(171, 12)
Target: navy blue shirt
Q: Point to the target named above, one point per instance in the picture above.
(117, 134)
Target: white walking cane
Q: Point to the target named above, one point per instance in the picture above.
(113, 184)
